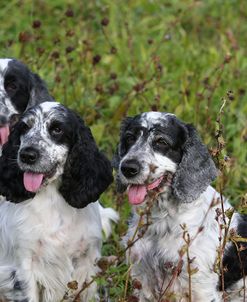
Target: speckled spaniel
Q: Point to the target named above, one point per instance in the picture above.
(52, 175)
(19, 89)
(167, 172)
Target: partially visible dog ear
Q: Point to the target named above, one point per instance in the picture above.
(115, 163)
(38, 91)
(11, 177)
(87, 171)
(116, 158)
(119, 150)
(195, 171)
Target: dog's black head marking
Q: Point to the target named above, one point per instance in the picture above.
(20, 89)
(86, 172)
(156, 139)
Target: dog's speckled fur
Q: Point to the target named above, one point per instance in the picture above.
(158, 143)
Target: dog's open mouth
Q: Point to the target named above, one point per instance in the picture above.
(33, 180)
(137, 193)
(4, 134)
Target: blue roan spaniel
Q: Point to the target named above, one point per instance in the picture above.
(177, 216)
(52, 175)
(20, 89)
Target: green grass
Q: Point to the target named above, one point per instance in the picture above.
(178, 56)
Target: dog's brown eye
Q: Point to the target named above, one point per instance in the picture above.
(130, 139)
(161, 142)
(10, 87)
(56, 130)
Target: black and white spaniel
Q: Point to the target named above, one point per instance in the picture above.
(19, 90)
(167, 172)
(52, 175)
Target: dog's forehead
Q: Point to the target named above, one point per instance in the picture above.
(44, 112)
(4, 64)
(152, 118)
(49, 107)
(3, 67)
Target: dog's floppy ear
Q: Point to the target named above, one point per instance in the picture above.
(33, 87)
(87, 172)
(11, 177)
(38, 91)
(195, 171)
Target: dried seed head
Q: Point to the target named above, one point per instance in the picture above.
(113, 76)
(99, 88)
(36, 24)
(73, 285)
(69, 49)
(103, 263)
(136, 284)
(25, 37)
(55, 54)
(227, 59)
(241, 91)
(132, 298)
(113, 88)
(105, 22)
(40, 50)
(10, 42)
(69, 13)
(113, 50)
(96, 59)
(57, 79)
(70, 33)
(230, 95)
(139, 87)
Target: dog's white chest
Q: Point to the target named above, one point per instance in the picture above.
(52, 242)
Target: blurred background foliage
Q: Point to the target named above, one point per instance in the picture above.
(108, 59)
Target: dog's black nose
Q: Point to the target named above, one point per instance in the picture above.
(3, 120)
(29, 155)
(130, 168)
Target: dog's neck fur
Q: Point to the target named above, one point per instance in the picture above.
(53, 231)
(162, 242)
(167, 215)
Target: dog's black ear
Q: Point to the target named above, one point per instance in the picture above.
(38, 91)
(87, 172)
(11, 177)
(195, 171)
(33, 89)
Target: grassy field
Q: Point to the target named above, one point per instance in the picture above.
(108, 59)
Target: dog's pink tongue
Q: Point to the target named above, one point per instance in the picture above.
(32, 181)
(137, 194)
(155, 184)
(4, 133)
